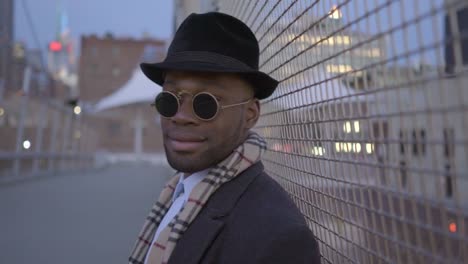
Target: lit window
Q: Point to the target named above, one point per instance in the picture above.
(290, 37)
(335, 40)
(374, 53)
(340, 40)
(335, 13)
(369, 148)
(314, 40)
(340, 68)
(356, 127)
(357, 147)
(349, 147)
(338, 147)
(318, 151)
(370, 52)
(347, 127)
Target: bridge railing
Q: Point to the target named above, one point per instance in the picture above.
(40, 135)
(367, 129)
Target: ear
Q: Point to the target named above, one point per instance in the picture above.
(253, 113)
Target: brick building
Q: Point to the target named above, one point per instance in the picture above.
(106, 64)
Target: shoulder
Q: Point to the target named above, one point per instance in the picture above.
(266, 221)
(266, 208)
(293, 244)
(266, 195)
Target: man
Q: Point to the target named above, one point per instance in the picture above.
(221, 207)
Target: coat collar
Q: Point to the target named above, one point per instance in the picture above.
(207, 225)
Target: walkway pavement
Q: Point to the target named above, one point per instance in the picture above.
(78, 218)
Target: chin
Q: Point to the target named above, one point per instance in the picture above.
(185, 167)
(186, 162)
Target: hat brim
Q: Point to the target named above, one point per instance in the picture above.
(263, 84)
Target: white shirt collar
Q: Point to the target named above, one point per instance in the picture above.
(191, 181)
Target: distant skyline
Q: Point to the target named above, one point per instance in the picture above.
(155, 17)
(86, 17)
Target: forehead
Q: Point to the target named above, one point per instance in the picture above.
(220, 82)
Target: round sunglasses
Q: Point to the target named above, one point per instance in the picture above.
(205, 106)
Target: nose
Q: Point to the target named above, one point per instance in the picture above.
(185, 115)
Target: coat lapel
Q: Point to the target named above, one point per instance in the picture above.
(196, 240)
(201, 233)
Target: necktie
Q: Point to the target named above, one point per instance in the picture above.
(179, 190)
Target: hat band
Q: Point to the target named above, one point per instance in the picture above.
(207, 57)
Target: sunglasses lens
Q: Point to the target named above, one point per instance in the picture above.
(166, 104)
(205, 106)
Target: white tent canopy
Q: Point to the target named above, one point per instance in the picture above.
(138, 89)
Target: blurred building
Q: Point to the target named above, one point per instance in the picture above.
(320, 39)
(61, 59)
(6, 41)
(106, 65)
(429, 157)
(183, 8)
(456, 24)
(408, 120)
(40, 82)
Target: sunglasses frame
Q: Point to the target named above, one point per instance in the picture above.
(178, 97)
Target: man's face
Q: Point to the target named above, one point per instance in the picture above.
(192, 144)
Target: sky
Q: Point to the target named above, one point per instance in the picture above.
(123, 18)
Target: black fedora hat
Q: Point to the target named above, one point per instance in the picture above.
(214, 42)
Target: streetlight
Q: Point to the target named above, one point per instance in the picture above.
(26, 144)
(77, 110)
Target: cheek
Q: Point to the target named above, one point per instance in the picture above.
(164, 124)
(228, 123)
(229, 130)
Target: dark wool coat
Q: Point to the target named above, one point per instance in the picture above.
(250, 219)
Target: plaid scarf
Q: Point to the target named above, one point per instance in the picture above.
(242, 157)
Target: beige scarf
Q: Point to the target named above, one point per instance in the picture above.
(242, 157)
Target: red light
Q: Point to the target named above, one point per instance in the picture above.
(452, 227)
(55, 46)
(287, 148)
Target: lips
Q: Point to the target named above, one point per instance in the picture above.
(184, 142)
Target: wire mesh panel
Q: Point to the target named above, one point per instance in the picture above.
(367, 129)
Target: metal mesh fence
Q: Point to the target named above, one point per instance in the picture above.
(367, 128)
